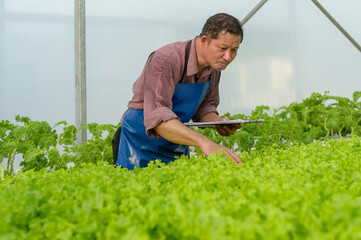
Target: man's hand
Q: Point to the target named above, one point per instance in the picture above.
(227, 130)
(210, 147)
(175, 131)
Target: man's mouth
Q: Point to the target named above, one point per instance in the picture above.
(224, 63)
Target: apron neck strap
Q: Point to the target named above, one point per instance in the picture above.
(188, 49)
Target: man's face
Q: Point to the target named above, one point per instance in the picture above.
(221, 51)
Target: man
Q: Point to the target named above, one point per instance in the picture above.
(179, 82)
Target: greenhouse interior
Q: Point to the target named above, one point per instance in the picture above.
(284, 164)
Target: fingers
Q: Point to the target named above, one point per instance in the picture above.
(227, 130)
(230, 154)
(234, 156)
(210, 147)
(222, 131)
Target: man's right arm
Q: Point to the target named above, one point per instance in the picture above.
(174, 131)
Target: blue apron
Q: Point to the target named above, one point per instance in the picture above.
(136, 149)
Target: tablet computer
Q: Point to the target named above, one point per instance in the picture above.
(230, 122)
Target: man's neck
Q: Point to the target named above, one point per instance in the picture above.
(201, 63)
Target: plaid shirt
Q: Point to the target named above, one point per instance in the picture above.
(154, 88)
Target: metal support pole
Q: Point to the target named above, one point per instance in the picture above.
(80, 70)
(254, 10)
(337, 24)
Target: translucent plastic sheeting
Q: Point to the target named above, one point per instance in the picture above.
(290, 50)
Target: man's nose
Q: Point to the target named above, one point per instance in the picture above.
(227, 56)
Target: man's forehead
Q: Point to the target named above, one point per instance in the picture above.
(227, 38)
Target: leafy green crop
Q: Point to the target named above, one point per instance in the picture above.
(27, 138)
(39, 144)
(302, 192)
(317, 117)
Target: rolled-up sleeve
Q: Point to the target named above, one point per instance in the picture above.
(158, 91)
(211, 100)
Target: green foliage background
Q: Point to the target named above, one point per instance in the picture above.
(318, 117)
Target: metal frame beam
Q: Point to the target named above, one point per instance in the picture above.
(339, 27)
(320, 7)
(252, 12)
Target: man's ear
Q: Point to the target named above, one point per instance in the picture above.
(204, 40)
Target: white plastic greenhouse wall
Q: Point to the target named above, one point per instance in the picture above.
(290, 50)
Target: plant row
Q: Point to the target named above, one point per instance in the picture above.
(40, 146)
(302, 192)
(320, 116)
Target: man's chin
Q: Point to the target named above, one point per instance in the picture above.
(221, 68)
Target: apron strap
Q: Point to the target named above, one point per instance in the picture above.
(188, 48)
(115, 144)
